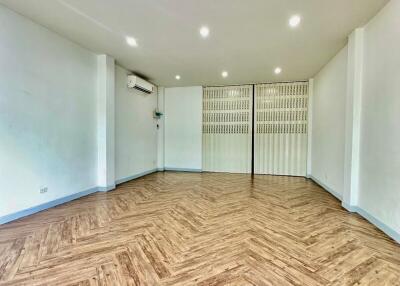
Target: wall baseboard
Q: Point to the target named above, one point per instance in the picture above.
(30, 211)
(375, 221)
(355, 209)
(45, 206)
(106, 189)
(334, 193)
(183, 170)
(349, 208)
(130, 178)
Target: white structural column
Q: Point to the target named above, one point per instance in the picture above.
(160, 129)
(353, 119)
(106, 122)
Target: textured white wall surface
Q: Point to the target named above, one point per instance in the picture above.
(362, 124)
(135, 129)
(47, 115)
(328, 123)
(183, 123)
(379, 192)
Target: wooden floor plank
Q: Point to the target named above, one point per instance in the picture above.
(173, 228)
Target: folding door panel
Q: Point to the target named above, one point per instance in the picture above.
(281, 129)
(227, 119)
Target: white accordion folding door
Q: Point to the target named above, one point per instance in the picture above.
(227, 122)
(280, 146)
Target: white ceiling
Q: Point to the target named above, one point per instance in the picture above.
(248, 38)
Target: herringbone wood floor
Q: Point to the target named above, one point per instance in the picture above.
(199, 229)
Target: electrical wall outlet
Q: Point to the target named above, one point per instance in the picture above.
(43, 190)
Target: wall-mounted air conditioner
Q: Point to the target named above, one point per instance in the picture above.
(140, 84)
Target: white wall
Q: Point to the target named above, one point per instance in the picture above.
(328, 124)
(135, 129)
(47, 115)
(379, 180)
(183, 127)
(366, 119)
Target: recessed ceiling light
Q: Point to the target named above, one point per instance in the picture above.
(131, 41)
(294, 21)
(178, 77)
(204, 31)
(224, 74)
(278, 70)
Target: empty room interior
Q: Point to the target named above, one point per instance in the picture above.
(212, 142)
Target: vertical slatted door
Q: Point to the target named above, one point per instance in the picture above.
(280, 146)
(227, 114)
